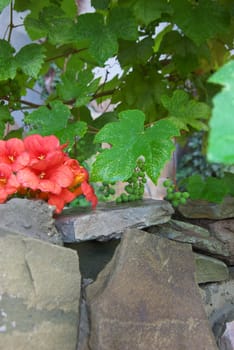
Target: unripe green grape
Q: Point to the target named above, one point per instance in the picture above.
(128, 189)
(170, 196)
(175, 203)
(167, 183)
(118, 200)
(185, 195)
(177, 195)
(112, 191)
(124, 197)
(170, 190)
(183, 200)
(102, 188)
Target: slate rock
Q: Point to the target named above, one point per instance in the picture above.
(199, 209)
(109, 220)
(199, 237)
(39, 295)
(146, 298)
(223, 230)
(32, 218)
(209, 269)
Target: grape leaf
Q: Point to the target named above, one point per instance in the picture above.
(101, 41)
(122, 23)
(185, 112)
(8, 65)
(3, 4)
(221, 137)
(51, 22)
(47, 121)
(71, 131)
(191, 17)
(30, 59)
(131, 53)
(5, 117)
(129, 140)
(77, 86)
(100, 4)
(211, 189)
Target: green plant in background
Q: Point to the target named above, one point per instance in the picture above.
(162, 93)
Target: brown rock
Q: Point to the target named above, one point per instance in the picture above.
(39, 295)
(199, 209)
(223, 230)
(199, 237)
(146, 298)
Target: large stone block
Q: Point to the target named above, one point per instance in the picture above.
(32, 218)
(147, 298)
(39, 295)
(109, 220)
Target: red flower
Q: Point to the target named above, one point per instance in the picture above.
(44, 151)
(88, 191)
(65, 196)
(12, 152)
(48, 180)
(8, 182)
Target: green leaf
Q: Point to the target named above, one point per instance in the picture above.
(142, 88)
(8, 64)
(71, 132)
(102, 43)
(129, 141)
(122, 23)
(221, 137)
(30, 59)
(147, 11)
(3, 4)
(211, 189)
(47, 121)
(200, 20)
(132, 53)
(53, 23)
(100, 4)
(185, 112)
(78, 86)
(5, 117)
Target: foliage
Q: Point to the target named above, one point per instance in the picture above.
(161, 93)
(221, 140)
(38, 168)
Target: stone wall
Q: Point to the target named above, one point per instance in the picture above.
(130, 276)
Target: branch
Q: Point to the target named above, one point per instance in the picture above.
(72, 52)
(11, 25)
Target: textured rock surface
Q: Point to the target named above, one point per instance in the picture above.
(227, 339)
(110, 220)
(223, 230)
(210, 269)
(146, 298)
(199, 237)
(202, 209)
(39, 295)
(33, 218)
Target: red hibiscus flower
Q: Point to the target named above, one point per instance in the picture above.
(8, 182)
(44, 151)
(89, 194)
(12, 152)
(48, 180)
(64, 197)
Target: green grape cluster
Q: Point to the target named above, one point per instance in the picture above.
(10, 93)
(175, 197)
(106, 189)
(135, 186)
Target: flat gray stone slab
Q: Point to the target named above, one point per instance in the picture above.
(147, 298)
(109, 220)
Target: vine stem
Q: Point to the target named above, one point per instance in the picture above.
(11, 24)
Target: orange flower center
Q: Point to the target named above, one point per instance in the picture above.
(3, 181)
(41, 157)
(12, 158)
(42, 175)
